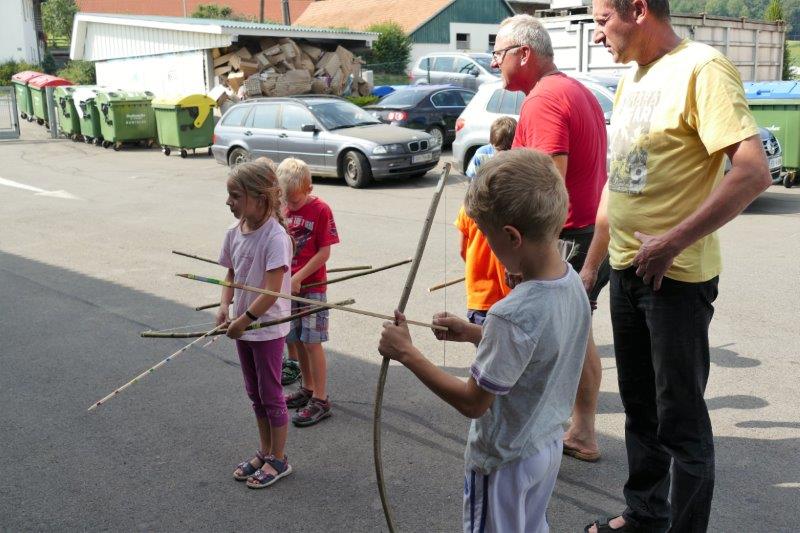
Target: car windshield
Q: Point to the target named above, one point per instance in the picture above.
(486, 62)
(336, 114)
(402, 98)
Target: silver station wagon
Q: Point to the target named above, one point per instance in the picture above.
(333, 136)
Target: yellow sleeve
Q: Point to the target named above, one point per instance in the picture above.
(720, 113)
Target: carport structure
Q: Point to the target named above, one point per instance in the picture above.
(173, 55)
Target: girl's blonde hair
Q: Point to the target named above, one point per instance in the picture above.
(294, 175)
(258, 180)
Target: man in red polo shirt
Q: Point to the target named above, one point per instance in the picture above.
(561, 117)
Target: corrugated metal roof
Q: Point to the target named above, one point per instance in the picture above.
(99, 36)
(363, 14)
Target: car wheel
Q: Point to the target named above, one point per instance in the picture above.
(788, 180)
(468, 157)
(237, 156)
(356, 170)
(437, 134)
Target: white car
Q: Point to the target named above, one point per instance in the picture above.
(492, 101)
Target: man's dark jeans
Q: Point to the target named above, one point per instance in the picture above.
(661, 347)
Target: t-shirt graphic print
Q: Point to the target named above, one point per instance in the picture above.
(630, 138)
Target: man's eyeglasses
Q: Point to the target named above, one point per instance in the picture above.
(499, 55)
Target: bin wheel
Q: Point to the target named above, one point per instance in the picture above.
(87, 140)
(30, 118)
(788, 180)
(106, 144)
(166, 150)
(97, 141)
(74, 137)
(150, 143)
(184, 153)
(117, 146)
(210, 153)
(39, 121)
(23, 116)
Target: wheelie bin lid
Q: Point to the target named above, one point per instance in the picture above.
(46, 80)
(64, 90)
(25, 76)
(203, 103)
(771, 90)
(114, 95)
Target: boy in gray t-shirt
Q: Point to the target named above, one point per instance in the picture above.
(530, 349)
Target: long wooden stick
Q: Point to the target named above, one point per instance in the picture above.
(376, 421)
(357, 274)
(191, 256)
(446, 284)
(207, 306)
(304, 300)
(349, 269)
(152, 369)
(340, 269)
(192, 334)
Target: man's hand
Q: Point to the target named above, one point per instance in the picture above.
(237, 327)
(654, 258)
(588, 277)
(458, 329)
(395, 340)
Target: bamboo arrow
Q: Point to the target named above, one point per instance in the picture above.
(445, 284)
(304, 300)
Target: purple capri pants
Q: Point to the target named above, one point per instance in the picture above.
(261, 367)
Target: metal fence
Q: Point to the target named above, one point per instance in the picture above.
(9, 119)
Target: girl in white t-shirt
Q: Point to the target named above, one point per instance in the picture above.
(258, 251)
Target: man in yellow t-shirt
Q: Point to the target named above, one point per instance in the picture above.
(678, 112)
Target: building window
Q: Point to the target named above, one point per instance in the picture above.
(462, 41)
(492, 39)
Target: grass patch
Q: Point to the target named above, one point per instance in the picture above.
(395, 79)
(794, 52)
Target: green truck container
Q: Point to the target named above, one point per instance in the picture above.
(38, 86)
(126, 116)
(88, 114)
(20, 82)
(68, 120)
(776, 107)
(184, 123)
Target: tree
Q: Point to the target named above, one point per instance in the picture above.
(215, 11)
(773, 13)
(391, 51)
(57, 17)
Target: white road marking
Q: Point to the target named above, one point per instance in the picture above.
(37, 191)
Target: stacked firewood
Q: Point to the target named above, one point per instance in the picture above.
(285, 66)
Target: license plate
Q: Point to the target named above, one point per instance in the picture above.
(421, 158)
(776, 161)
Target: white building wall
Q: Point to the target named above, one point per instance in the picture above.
(18, 35)
(478, 34)
(111, 41)
(164, 75)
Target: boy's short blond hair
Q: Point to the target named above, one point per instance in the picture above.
(294, 175)
(501, 134)
(520, 188)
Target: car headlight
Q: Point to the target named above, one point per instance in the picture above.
(388, 149)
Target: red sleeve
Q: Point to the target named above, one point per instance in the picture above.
(543, 125)
(325, 228)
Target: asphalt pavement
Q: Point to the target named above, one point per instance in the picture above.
(85, 266)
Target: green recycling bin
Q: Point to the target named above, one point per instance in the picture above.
(126, 116)
(20, 82)
(184, 123)
(68, 121)
(38, 86)
(88, 114)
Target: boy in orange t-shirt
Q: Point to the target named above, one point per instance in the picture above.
(484, 273)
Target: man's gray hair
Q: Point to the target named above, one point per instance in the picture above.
(527, 30)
